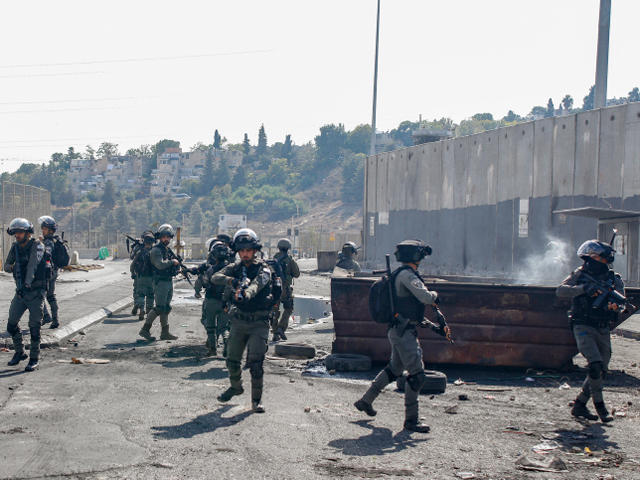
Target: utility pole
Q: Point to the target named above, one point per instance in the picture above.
(602, 60)
(375, 87)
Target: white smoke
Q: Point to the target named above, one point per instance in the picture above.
(549, 267)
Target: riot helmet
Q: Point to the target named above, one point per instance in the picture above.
(148, 237)
(224, 238)
(49, 222)
(209, 243)
(220, 251)
(284, 244)
(412, 251)
(20, 225)
(246, 238)
(349, 249)
(596, 248)
(165, 229)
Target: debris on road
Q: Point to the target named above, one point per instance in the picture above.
(553, 464)
(491, 389)
(564, 386)
(79, 361)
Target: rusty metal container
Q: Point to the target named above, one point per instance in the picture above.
(492, 325)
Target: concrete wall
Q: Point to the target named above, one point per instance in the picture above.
(465, 196)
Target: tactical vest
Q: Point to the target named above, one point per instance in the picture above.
(215, 291)
(169, 272)
(582, 310)
(143, 266)
(43, 271)
(263, 300)
(409, 307)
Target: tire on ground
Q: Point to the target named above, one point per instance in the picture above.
(292, 349)
(436, 382)
(346, 362)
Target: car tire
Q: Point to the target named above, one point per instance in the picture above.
(292, 349)
(345, 362)
(436, 382)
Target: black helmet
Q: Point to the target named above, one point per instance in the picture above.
(284, 244)
(246, 238)
(165, 229)
(47, 221)
(349, 248)
(224, 238)
(148, 237)
(20, 225)
(593, 248)
(220, 250)
(412, 251)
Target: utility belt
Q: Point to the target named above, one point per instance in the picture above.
(589, 322)
(162, 279)
(233, 311)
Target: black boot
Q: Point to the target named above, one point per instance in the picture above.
(17, 358)
(54, 324)
(365, 407)
(276, 337)
(229, 393)
(580, 410)
(32, 366)
(280, 332)
(416, 426)
(225, 340)
(134, 310)
(46, 319)
(141, 316)
(257, 406)
(602, 412)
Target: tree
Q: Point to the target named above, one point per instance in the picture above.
(511, 117)
(109, 195)
(239, 178)
(287, 149)
(246, 145)
(634, 95)
(200, 146)
(331, 140)
(551, 109)
(262, 142)
(567, 103)
(223, 175)
(483, 116)
(90, 153)
(359, 139)
(107, 149)
(278, 171)
(538, 110)
(353, 178)
(144, 151)
(403, 132)
(160, 147)
(196, 217)
(587, 102)
(216, 140)
(208, 180)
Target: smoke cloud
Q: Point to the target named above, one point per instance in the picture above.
(549, 267)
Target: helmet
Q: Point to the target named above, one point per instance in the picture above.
(210, 243)
(412, 251)
(20, 225)
(47, 221)
(592, 248)
(224, 238)
(148, 237)
(165, 229)
(349, 248)
(246, 238)
(284, 244)
(220, 250)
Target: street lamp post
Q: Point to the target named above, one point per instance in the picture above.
(375, 87)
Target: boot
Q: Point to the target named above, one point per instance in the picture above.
(166, 335)
(229, 393)
(134, 310)
(257, 406)
(54, 324)
(197, 295)
(145, 332)
(32, 366)
(280, 332)
(276, 337)
(46, 319)
(603, 413)
(141, 316)
(580, 410)
(416, 426)
(224, 350)
(212, 352)
(365, 407)
(17, 358)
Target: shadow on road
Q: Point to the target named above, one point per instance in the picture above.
(591, 434)
(11, 373)
(380, 441)
(206, 423)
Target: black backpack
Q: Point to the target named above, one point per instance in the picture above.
(143, 264)
(380, 297)
(277, 279)
(60, 255)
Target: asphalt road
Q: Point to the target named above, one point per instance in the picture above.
(152, 413)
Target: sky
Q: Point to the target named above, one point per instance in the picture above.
(77, 73)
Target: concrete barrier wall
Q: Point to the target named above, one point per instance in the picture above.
(465, 196)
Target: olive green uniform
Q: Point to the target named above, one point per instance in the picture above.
(50, 246)
(143, 280)
(347, 262)
(290, 270)
(215, 319)
(249, 322)
(163, 273)
(32, 272)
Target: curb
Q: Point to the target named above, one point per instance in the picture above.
(626, 333)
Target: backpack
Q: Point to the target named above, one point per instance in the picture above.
(277, 279)
(60, 255)
(143, 264)
(380, 300)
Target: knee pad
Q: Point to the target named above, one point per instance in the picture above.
(233, 366)
(255, 368)
(35, 334)
(417, 380)
(13, 329)
(158, 309)
(595, 370)
(392, 376)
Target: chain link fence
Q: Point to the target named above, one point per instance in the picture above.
(22, 201)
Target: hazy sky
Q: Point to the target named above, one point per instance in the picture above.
(74, 73)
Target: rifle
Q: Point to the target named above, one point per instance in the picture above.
(243, 284)
(181, 267)
(607, 294)
(136, 241)
(442, 323)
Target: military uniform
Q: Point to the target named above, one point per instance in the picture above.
(33, 272)
(591, 331)
(348, 263)
(290, 271)
(132, 254)
(215, 319)
(249, 324)
(142, 271)
(50, 244)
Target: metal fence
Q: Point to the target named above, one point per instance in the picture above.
(22, 201)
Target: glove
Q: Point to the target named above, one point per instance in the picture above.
(591, 289)
(437, 300)
(235, 283)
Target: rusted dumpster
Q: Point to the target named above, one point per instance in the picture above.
(493, 325)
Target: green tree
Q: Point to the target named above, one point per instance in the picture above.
(144, 151)
(160, 147)
(567, 102)
(403, 132)
(353, 178)
(246, 145)
(511, 117)
(359, 139)
(483, 116)
(587, 101)
(107, 149)
(90, 153)
(634, 95)
(551, 109)
(109, 195)
(262, 142)
(331, 140)
(287, 148)
(278, 172)
(216, 140)
(196, 218)
(538, 110)
(223, 175)
(239, 178)
(208, 180)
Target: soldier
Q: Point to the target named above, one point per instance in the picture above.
(410, 297)
(164, 267)
(138, 245)
(290, 271)
(57, 250)
(210, 261)
(590, 322)
(254, 295)
(142, 271)
(214, 317)
(226, 239)
(31, 267)
(345, 258)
